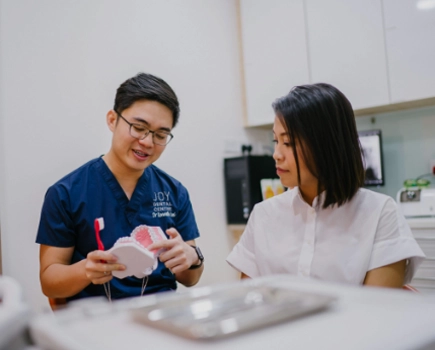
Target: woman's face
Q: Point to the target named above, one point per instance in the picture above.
(286, 164)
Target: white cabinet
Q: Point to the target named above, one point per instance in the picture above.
(423, 229)
(410, 42)
(347, 49)
(379, 53)
(274, 53)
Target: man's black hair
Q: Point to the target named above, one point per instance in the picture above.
(145, 86)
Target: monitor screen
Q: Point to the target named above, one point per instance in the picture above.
(371, 143)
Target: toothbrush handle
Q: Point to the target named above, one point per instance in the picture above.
(100, 244)
(97, 235)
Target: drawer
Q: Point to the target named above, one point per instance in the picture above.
(426, 284)
(426, 233)
(425, 272)
(427, 246)
(428, 263)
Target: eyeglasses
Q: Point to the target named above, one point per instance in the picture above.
(140, 132)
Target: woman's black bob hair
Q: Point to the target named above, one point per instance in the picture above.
(320, 119)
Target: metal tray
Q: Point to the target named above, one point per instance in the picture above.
(209, 313)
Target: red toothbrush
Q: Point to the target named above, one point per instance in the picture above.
(99, 225)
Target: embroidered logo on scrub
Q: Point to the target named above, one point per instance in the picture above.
(162, 207)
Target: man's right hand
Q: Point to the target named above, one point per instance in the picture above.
(61, 279)
(99, 266)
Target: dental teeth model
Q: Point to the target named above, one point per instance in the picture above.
(132, 251)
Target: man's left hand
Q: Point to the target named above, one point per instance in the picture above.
(177, 256)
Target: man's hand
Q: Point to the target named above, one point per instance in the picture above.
(178, 255)
(99, 266)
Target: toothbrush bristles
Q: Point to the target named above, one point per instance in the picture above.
(101, 223)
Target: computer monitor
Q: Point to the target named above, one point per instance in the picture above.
(371, 143)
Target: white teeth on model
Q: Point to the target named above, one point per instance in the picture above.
(140, 153)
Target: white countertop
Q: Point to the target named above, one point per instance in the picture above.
(361, 318)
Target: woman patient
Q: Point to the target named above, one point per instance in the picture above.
(326, 226)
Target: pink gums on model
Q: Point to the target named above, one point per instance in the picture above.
(146, 235)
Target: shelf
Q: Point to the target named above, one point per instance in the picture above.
(373, 110)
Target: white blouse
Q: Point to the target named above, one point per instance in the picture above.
(286, 235)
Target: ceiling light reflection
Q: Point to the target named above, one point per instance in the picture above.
(425, 4)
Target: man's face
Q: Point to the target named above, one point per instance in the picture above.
(128, 153)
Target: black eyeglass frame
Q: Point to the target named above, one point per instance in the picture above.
(147, 132)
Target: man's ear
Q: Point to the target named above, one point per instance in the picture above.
(111, 119)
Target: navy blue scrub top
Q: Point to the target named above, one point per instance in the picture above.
(73, 203)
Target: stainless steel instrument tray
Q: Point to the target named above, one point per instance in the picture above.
(214, 313)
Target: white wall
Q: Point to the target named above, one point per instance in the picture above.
(60, 64)
(408, 145)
